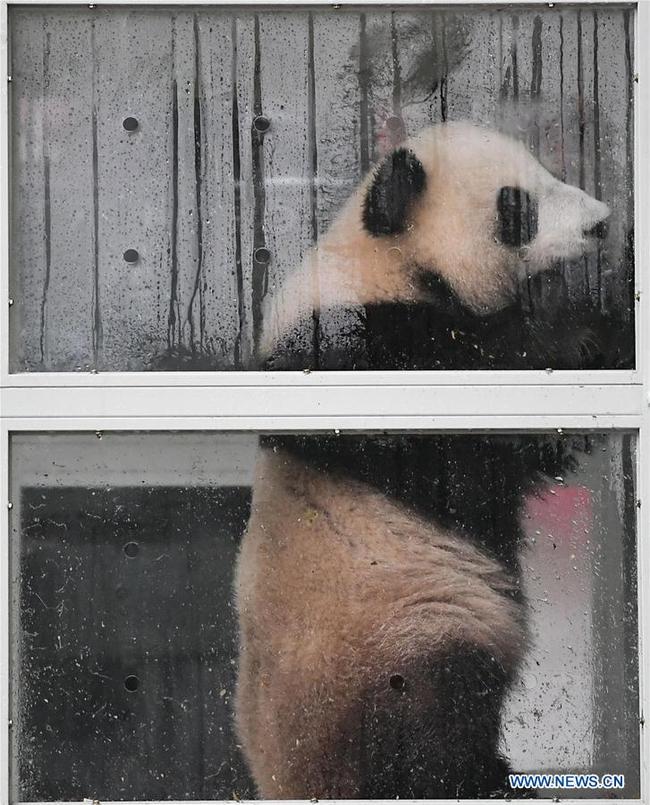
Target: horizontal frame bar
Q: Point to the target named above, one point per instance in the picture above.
(309, 379)
(332, 424)
(565, 801)
(345, 3)
(543, 403)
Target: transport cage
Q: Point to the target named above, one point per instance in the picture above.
(378, 266)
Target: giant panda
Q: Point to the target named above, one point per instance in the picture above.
(378, 587)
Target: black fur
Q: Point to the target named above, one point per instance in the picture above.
(474, 485)
(517, 216)
(416, 745)
(443, 333)
(397, 182)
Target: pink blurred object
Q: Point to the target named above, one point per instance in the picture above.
(566, 512)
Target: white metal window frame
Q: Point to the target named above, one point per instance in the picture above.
(326, 401)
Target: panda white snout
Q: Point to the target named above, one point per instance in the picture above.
(571, 223)
(595, 229)
(596, 213)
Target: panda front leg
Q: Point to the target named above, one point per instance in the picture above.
(433, 731)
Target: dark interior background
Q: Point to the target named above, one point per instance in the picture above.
(128, 644)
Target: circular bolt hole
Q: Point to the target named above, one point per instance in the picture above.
(131, 683)
(397, 682)
(131, 549)
(262, 255)
(130, 123)
(131, 256)
(261, 123)
(394, 123)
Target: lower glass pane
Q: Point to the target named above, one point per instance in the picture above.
(219, 616)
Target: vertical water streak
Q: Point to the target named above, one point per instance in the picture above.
(364, 137)
(313, 184)
(259, 269)
(173, 320)
(97, 328)
(198, 185)
(47, 211)
(236, 176)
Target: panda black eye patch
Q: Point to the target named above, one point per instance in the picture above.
(397, 182)
(516, 216)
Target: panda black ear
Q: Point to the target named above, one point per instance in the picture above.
(398, 181)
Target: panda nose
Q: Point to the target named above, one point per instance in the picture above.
(598, 230)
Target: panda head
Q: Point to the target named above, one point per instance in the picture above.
(474, 208)
(458, 213)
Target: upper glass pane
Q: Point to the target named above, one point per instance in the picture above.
(327, 188)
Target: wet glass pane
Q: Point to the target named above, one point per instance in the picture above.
(333, 188)
(199, 616)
